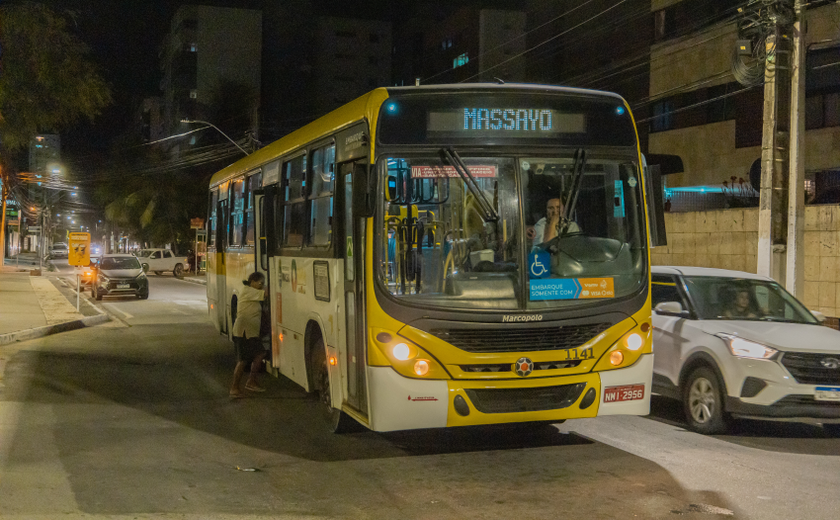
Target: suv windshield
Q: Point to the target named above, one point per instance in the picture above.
(719, 298)
(453, 233)
(121, 262)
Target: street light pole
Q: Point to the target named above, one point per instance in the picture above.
(194, 121)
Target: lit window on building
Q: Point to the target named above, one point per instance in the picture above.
(193, 94)
(461, 60)
(193, 47)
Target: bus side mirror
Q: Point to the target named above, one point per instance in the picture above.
(364, 191)
(656, 205)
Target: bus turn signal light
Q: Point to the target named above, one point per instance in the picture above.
(333, 361)
(421, 367)
(616, 358)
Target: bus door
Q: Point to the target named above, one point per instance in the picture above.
(221, 263)
(353, 246)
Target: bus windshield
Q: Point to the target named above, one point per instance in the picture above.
(510, 233)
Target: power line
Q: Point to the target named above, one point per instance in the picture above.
(544, 42)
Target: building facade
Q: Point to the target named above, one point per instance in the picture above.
(702, 114)
(211, 67)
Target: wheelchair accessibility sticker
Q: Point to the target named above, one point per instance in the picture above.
(539, 265)
(571, 288)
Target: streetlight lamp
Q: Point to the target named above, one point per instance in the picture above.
(194, 121)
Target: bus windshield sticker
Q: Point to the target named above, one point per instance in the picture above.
(321, 273)
(539, 265)
(432, 172)
(571, 288)
(618, 209)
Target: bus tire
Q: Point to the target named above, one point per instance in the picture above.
(337, 420)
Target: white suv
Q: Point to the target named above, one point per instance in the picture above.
(161, 260)
(733, 343)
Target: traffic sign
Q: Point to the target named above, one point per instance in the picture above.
(79, 249)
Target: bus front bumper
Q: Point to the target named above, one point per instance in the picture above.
(400, 403)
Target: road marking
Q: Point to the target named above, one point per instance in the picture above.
(117, 309)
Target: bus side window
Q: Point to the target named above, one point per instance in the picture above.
(211, 218)
(254, 182)
(294, 210)
(322, 171)
(237, 210)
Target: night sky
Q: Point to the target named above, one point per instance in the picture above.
(124, 37)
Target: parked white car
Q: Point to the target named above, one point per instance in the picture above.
(729, 343)
(159, 261)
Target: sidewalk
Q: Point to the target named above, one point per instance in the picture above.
(31, 306)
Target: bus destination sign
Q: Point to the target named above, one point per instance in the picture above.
(531, 122)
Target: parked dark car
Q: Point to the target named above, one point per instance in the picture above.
(120, 275)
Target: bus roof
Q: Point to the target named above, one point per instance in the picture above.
(363, 107)
(367, 107)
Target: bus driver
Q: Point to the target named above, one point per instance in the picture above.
(553, 215)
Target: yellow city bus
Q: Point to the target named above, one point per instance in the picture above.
(408, 285)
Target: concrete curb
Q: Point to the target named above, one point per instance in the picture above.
(195, 281)
(38, 332)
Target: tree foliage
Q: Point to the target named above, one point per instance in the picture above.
(46, 81)
(46, 84)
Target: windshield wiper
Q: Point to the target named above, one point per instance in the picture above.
(455, 160)
(574, 190)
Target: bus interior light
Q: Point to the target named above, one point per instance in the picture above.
(421, 367)
(401, 351)
(620, 111)
(634, 342)
(616, 358)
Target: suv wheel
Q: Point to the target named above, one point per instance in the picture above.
(96, 294)
(145, 268)
(703, 402)
(178, 271)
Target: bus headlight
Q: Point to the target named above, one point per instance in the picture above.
(404, 356)
(402, 352)
(634, 342)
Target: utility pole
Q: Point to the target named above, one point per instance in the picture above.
(775, 149)
(795, 276)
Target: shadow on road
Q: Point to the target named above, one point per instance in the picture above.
(140, 421)
(811, 439)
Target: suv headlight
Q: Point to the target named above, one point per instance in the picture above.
(745, 348)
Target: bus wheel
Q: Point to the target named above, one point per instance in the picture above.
(338, 421)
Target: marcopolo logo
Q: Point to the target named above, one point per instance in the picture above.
(514, 318)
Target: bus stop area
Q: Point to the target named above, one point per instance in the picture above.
(31, 306)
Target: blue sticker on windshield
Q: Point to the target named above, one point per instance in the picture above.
(618, 209)
(539, 265)
(555, 289)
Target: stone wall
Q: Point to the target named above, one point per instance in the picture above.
(728, 239)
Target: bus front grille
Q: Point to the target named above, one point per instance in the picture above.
(508, 367)
(513, 400)
(521, 340)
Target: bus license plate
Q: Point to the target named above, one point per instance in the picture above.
(614, 394)
(123, 286)
(827, 393)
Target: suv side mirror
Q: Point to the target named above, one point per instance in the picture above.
(671, 309)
